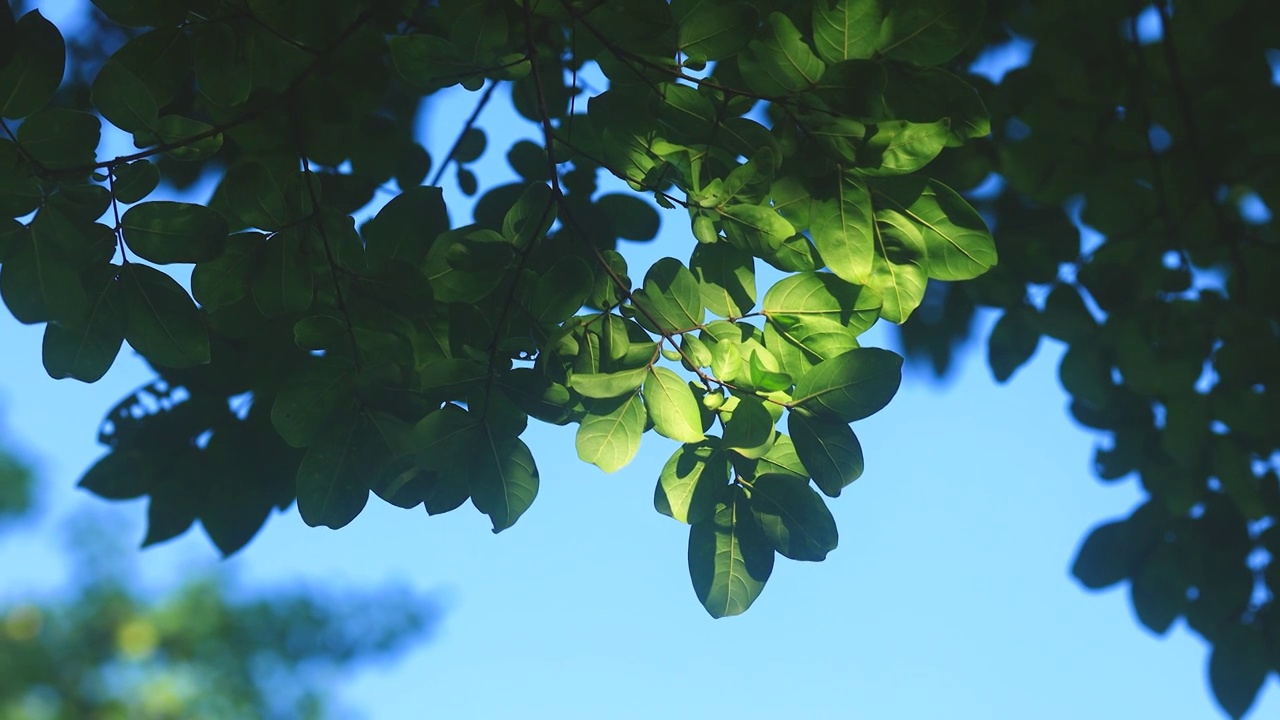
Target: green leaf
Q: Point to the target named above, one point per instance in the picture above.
(531, 216)
(1013, 341)
(749, 429)
(691, 481)
(171, 232)
(283, 283)
(847, 29)
(603, 386)
(1238, 667)
(86, 349)
(809, 303)
(59, 138)
(561, 291)
(224, 73)
(30, 79)
(711, 31)
(161, 321)
(730, 559)
(927, 95)
(8, 35)
(134, 181)
(503, 479)
(161, 59)
(451, 378)
(956, 238)
(123, 99)
(309, 397)
(793, 517)
(319, 332)
(39, 284)
(726, 277)
(190, 139)
(537, 394)
(841, 225)
(672, 406)
(19, 192)
(899, 147)
(609, 434)
(264, 197)
(670, 300)
(330, 487)
(755, 229)
(780, 62)
(631, 217)
(225, 279)
(780, 460)
(829, 451)
(470, 146)
(898, 273)
(405, 227)
(851, 386)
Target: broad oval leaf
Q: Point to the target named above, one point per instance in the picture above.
(957, 242)
(161, 321)
(603, 386)
(749, 430)
(669, 301)
(727, 278)
(730, 559)
(311, 395)
(503, 479)
(841, 224)
(86, 349)
(830, 451)
(330, 487)
(851, 386)
(32, 76)
(173, 232)
(609, 435)
(692, 481)
(794, 517)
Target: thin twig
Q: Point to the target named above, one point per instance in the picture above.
(466, 127)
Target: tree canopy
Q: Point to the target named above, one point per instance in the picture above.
(847, 144)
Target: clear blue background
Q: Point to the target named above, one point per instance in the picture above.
(949, 596)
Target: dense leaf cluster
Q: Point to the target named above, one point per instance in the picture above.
(840, 142)
(317, 360)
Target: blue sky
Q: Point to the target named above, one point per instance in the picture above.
(949, 596)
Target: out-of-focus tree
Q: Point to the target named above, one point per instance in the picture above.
(105, 651)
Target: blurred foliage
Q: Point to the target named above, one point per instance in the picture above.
(101, 650)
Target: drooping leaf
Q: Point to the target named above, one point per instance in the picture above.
(161, 321)
(729, 557)
(898, 273)
(33, 74)
(794, 517)
(726, 277)
(87, 348)
(828, 449)
(841, 224)
(309, 398)
(503, 479)
(331, 491)
(691, 481)
(609, 434)
(958, 244)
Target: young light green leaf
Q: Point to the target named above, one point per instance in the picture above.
(85, 350)
(841, 225)
(851, 386)
(161, 321)
(672, 406)
(32, 76)
(503, 479)
(603, 386)
(793, 517)
(173, 232)
(730, 559)
(727, 278)
(829, 451)
(670, 300)
(609, 435)
(691, 481)
(898, 272)
(330, 487)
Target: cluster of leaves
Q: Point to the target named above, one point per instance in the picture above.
(1150, 119)
(320, 361)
